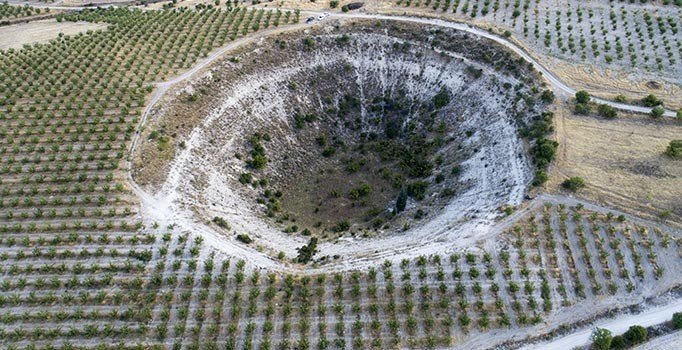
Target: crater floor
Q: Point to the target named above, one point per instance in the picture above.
(325, 133)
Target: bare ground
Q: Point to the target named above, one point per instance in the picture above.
(17, 35)
(622, 162)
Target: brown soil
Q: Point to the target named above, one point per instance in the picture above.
(17, 35)
(622, 162)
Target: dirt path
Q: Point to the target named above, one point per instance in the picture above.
(618, 325)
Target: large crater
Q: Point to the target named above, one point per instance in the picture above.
(372, 138)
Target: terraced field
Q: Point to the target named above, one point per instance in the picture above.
(609, 33)
(75, 261)
(82, 268)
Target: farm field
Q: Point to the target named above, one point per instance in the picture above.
(18, 35)
(625, 42)
(295, 175)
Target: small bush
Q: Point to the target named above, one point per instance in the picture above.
(582, 97)
(607, 111)
(547, 96)
(573, 184)
(657, 112)
(306, 252)
(677, 320)
(674, 149)
(417, 189)
(221, 222)
(651, 101)
(635, 335)
(582, 108)
(442, 98)
(601, 339)
(618, 343)
(334, 4)
(244, 238)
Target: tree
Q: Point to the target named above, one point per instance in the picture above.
(442, 98)
(401, 202)
(574, 183)
(582, 97)
(306, 252)
(618, 343)
(635, 335)
(607, 111)
(657, 112)
(674, 149)
(547, 96)
(677, 320)
(601, 338)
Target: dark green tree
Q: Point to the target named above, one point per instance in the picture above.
(582, 97)
(601, 339)
(635, 335)
(306, 252)
(401, 202)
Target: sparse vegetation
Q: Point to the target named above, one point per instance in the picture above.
(573, 183)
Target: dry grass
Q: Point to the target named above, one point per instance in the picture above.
(622, 162)
(15, 36)
(609, 84)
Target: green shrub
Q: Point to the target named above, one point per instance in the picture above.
(674, 149)
(618, 343)
(221, 222)
(582, 97)
(244, 238)
(573, 184)
(547, 96)
(651, 101)
(635, 335)
(442, 98)
(601, 339)
(582, 108)
(334, 4)
(677, 320)
(606, 111)
(657, 112)
(401, 202)
(361, 191)
(417, 189)
(306, 252)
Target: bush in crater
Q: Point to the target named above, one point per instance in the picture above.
(244, 238)
(306, 252)
(362, 190)
(221, 222)
(341, 226)
(442, 98)
(547, 96)
(544, 152)
(417, 189)
(635, 334)
(245, 178)
(618, 343)
(677, 320)
(401, 201)
(601, 339)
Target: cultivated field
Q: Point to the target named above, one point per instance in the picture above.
(452, 141)
(40, 32)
